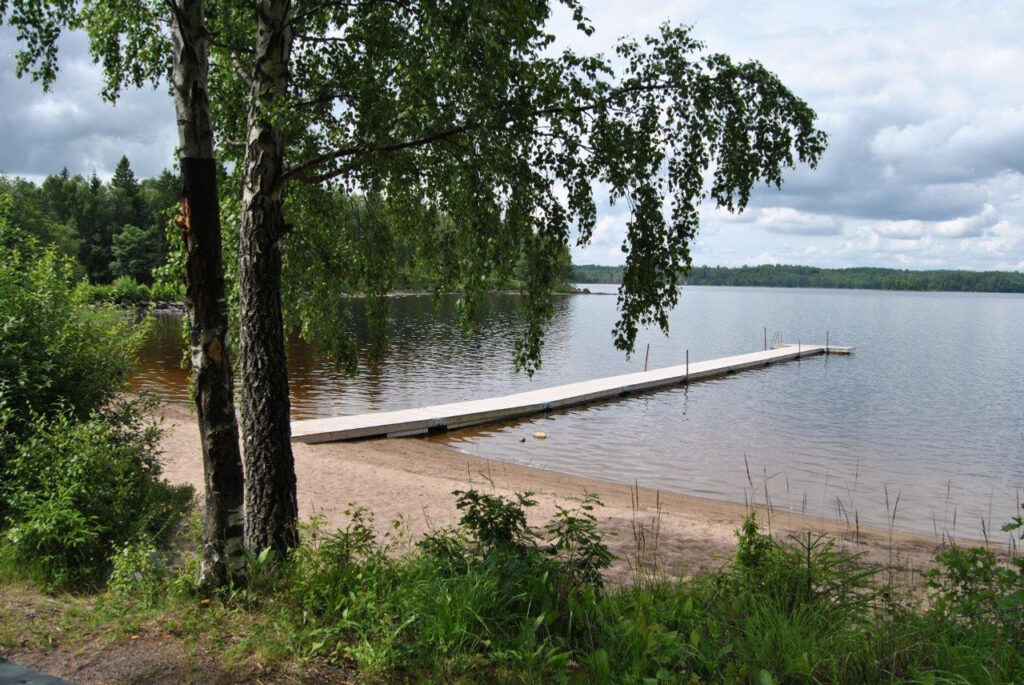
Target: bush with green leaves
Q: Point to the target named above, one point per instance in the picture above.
(974, 586)
(79, 474)
(78, 490)
(57, 353)
(139, 573)
(162, 291)
(491, 592)
(491, 601)
(124, 290)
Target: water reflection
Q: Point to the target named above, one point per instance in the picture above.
(929, 409)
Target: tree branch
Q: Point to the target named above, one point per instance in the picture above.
(306, 14)
(299, 171)
(240, 70)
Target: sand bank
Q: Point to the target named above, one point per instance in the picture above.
(413, 479)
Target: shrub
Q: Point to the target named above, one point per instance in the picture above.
(974, 586)
(167, 292)
(79, 490)
(490, 594)
(138, 573)
(57, 354)
(493, 530)
(806, 570)
(125, 289)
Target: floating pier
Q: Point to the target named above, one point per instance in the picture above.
(446, 417)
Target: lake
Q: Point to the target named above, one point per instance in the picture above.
(921, 428)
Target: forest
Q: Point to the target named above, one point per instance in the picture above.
(864, 278)
(110, 230)
(120, 235)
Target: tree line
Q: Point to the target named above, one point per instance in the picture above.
(114, 229)
(864, 278)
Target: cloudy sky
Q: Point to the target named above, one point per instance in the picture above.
(923, 103)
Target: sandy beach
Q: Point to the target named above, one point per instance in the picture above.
(412, 480)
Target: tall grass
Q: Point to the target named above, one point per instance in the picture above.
(494, 600)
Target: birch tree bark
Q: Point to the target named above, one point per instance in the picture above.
(223, 557)
(271, 503)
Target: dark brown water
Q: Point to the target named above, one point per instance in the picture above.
(929, 410)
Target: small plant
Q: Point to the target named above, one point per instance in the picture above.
(56, 541)
(807, 570)
(167, 292)
(492, 526)
(754, 550)
(580, 543)
(125, 290)
(494, 521)
(138, 573)
(57, 354)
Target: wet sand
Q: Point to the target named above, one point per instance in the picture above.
(412, 480)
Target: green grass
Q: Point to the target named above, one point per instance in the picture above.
(493, 600)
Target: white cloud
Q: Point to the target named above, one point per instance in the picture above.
(969, 226)
(793, 222)
(900, 229)
(71, 126)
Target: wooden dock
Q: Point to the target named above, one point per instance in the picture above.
(445, 417)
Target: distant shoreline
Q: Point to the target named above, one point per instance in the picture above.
(856, 278)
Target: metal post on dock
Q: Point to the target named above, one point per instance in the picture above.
(826, 342)
(647, 355)
(798, 348)
(766, 337)
(687, 367)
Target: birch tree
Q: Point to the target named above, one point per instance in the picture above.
(145, 42)
(458, 117)
(459, 114)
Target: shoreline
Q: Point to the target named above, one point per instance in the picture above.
(411, 480)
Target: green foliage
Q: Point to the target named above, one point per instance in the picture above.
(973, 585)
(167, 292)
(489, 594)
(54, 541)
(580, 543)
(30, 210)
(78, 490)
(111, 229)
(1016, 523)
(124, 290)
(138, 572)
(458, 608)
(808, 570)
(80, 471)
(494, 521)
(464, 117)
(57, 355)
(136, 252)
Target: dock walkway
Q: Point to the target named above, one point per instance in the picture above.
(444, 417)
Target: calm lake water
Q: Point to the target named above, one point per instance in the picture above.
(929, 412)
